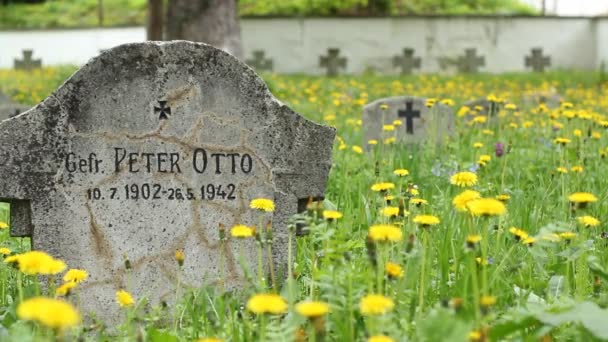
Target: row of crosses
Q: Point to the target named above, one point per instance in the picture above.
(470, 62)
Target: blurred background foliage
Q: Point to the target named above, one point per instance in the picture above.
(39, 14)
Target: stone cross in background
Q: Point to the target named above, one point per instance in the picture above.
(470, 62)
(407, 62)
(27, 63)
(332, 62)
(152, 148)
(537, 61)
(260, 62)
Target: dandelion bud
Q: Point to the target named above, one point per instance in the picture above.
(410, 243)
(127, 263)
(179, 257)
(222, 232)
(371, 250)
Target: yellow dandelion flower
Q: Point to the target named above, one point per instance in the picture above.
(487, 301)
(503, 197)
(124, 298)
(426, 220)
(357, 149)
(375, 304)
(380, 338)
(393, 270)
(463, 179)
(209, 339)
(390, 211)
(5, 251)
(588, 221)
(332, 214)
(561, 169)
(311, 309)
(384, 106)
(372, 142)
(480, 119)
(475, 336)
(582, 197)
(460, 201)
(263, 204)
(388, 128)
(561, 141)
(529, 241)
(577, 169)
(52, 313)
(397, 123)
(478, 145)
(241, 231)
(3, 225)
(486, 207)
(418, 201)
(382, 187)
(567, 235)
(519, 234)
(447, 102)
(390, 140)
(510, 106)
(65, 289)
(401, 172)
(488, 132)
(385, 233)
(578, 133)
(473, 240)
(485, 158)
(75, 275)
(267, 303)
(36, 262)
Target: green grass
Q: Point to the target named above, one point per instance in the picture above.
(552, 289)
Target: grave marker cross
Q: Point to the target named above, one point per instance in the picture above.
(470, 62)
(407, 62)
(537, 61)
(332, 62)
(27, 63)
(260, 62)
(409, 114)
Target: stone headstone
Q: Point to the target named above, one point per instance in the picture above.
(9, 110)
(27, 63)
(333, 62)
(550, 98)
(151, 148)
(483, 107)
(418, 122)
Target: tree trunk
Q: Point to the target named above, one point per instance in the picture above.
(214, 22)
(155, 20)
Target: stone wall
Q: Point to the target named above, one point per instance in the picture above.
(296, 45)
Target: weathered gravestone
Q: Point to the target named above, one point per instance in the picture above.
(27, 63)
(483, 106)
(549, 97)
(470, 62)
(418, 122)
(260, 62)
(536, 60)
(407, 62)
(150, 148)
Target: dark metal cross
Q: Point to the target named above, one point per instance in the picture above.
(27, 63)
(407, 62)
(332, 62)
(537, 61)
(163, 110)
(409, 114)
(260, 62)
(470, 62)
